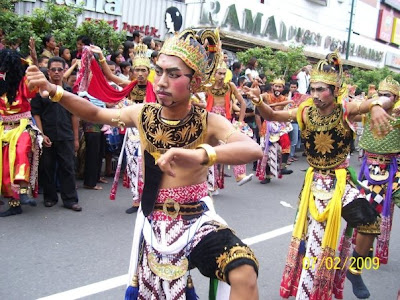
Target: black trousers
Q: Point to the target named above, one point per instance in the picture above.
(61, 153)
(95, 145)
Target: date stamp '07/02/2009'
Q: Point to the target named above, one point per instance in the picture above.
(336, 263)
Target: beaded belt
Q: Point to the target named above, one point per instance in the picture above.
(173, 208)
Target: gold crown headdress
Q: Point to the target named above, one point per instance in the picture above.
(140, 58)
(390, 85)
(188, 46)
(279, 80)
(328, 70)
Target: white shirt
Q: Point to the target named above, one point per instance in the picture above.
(303, 79)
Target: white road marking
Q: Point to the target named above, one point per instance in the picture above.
(115, 282)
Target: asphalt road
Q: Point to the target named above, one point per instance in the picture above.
(55, 253)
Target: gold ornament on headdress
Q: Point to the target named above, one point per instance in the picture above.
(279, 80)
(140, 58)
(390, 85)
(328, 70)
(189, 46)
(221, 63)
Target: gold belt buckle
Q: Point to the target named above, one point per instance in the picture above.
(172, 214)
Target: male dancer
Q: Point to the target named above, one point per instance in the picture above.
(380, 173)
(219, 101)
(277, 102)
(177, 227)
(327, 193)
(20, 146)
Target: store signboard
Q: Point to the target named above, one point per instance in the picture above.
(110, 7)
(396, 32)
(385, 25)
(265, 24)
(392, 60)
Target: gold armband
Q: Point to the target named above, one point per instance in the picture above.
(102, 60)
(212, 155)
(58, 95)
(374, 103)
(120, 123)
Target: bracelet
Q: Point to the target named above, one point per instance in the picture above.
(257, 103)
(290, 111)
(102, 60)
(120, 123)
(374, 103)
(58, 95)
(212, 155)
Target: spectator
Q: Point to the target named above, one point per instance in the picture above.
(137, 37)
(60, 140)
(81, 41)
(66, 55)
(43, 62)
(125, 68)
(303, 79)
(149, 42)
(236, 69)
(228, 75)
(117, 58)
(50, 48)
(127, 52)
(251, 73)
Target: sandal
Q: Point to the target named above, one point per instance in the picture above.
(102, 180)
(96, 187)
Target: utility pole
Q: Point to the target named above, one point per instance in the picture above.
(350, 29)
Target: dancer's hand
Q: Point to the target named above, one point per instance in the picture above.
(36, 79)
(380, 121)
(252, 92)
(183, 158)
(96, 49)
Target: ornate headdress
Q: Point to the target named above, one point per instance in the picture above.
(279, 80)
(328, 70)
(188, 46)
(141, 58)
(389, 84)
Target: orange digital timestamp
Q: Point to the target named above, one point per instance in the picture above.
(335, 263)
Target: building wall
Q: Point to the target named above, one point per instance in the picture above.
(146, 16)
(320, 26)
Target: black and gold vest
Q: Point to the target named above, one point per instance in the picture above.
(157, 136)
(327, 138)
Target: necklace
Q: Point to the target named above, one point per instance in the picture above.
(171, 122)
(221, 91)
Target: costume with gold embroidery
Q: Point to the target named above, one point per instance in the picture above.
(180, 229)
(20, 146)
(328, 194)
(380, 174)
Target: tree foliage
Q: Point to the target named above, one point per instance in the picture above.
(57, 20)
(363, 78)
(279, 63)
(102, 34)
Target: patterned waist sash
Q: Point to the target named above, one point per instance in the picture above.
(174, 197)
